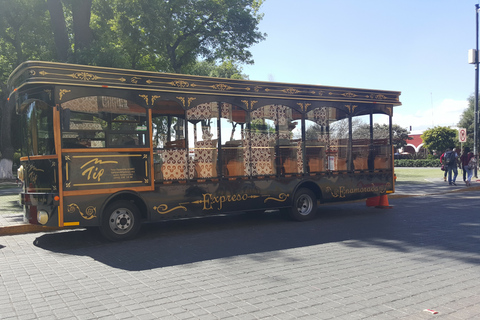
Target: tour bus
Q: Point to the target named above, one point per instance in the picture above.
(112, 148)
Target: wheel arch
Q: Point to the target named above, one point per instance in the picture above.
(133, 197)
(313, 187)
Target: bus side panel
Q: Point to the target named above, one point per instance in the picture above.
(84, 211)
(203, 199)
(345, 187)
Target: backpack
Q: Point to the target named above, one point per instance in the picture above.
(449, 158)
(472, 163)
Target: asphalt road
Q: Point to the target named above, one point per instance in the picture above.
(352, 262)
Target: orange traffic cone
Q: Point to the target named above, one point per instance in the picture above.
(383, 203)
(373, 201)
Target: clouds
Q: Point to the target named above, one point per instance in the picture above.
(445, 114)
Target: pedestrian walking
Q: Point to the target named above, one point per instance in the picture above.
(464, 159)
(472, 164)
(444, 167)
(451, 161)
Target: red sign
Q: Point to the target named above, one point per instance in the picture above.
(462, 135)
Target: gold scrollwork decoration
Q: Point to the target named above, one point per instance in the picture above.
(49, 93)
(180, 84)
(182, 99)
(351, 108)
(389, 109)
(349, 94)
(380, 97)
(134, 80)
(190, 100)
(303, 106)
(163, 208)
(62, 92)
(249, 104)
(281, 198)
(85, 76)
(90, 212)
(290, 91)
(145, 97)
(154, 98)
(221, 87)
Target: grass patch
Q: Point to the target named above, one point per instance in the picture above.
(418, 175)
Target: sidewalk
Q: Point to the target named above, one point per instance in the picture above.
(11, 214)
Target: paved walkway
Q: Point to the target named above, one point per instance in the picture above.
(12, 222)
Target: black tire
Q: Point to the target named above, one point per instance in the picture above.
(304, 205)
(121, 220)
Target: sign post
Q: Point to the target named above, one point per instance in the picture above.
(462, 135)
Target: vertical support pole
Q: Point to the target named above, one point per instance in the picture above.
(475, 113)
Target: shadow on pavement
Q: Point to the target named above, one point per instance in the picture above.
(414, 223)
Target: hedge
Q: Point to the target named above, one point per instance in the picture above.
(417, 163)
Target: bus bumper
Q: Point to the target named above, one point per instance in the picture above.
(40, 208)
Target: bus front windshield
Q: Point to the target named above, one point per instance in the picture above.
(37, 126)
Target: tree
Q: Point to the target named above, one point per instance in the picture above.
(439, 139)
(167, 36)
(466, 121)
(21, 38)
(227, 69)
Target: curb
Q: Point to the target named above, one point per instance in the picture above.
(26, 228)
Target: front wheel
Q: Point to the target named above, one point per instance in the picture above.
(120, 221)
(304, 205)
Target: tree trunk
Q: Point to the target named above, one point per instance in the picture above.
(6, 147)
(59, 27)
(81, 11)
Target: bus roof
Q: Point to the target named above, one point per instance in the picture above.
(35, 73)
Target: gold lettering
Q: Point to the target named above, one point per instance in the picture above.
(93, 171)
(207, 204)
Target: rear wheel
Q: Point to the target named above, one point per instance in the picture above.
(304, 205)
(120, 221)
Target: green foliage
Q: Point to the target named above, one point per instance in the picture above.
(439, 139)
(227, 69)
(168, 36)
(466, 121)
(417, 163)
(381, 131)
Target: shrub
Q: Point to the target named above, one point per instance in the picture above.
(417, 163)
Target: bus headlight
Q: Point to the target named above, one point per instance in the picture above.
(20, 173)
(42, 216)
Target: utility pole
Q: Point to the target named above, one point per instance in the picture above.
(473, 59)
(475, 117)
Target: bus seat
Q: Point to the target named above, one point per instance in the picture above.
(174, 165)
(381, 163)
(316, 165)
(206, 158)
(360, 163)
(235, 168)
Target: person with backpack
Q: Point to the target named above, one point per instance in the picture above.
(472, 163)
(464, 159)
(444, 167)
(450, 159)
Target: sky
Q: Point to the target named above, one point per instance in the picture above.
(418, 47)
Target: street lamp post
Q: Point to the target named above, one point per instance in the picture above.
(473, 59)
